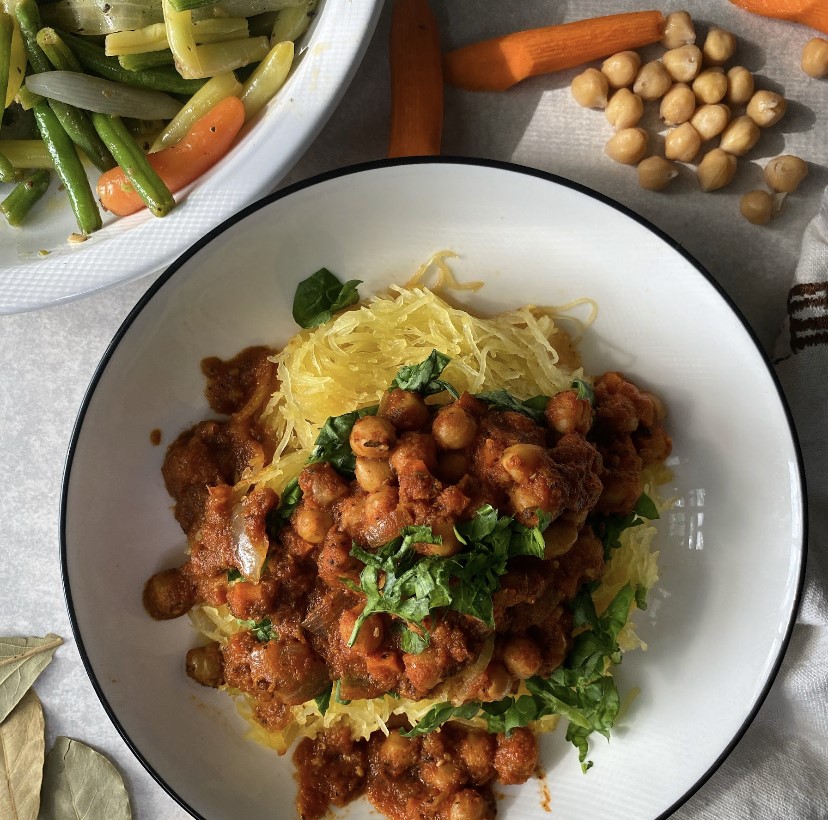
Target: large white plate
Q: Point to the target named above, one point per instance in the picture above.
(140, 244)
(731, 550)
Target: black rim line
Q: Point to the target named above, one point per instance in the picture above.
(389, 163)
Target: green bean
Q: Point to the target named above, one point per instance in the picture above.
(57, 52)
(74, 121)
(189, 5)
(148, 185)
(93, 59)
(19, 202)
(28, 99)
(7, 170)
(69, 168)
(149, 59)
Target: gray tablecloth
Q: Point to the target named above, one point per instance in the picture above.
(779, 769)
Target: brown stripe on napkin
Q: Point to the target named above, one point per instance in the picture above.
(808, 315)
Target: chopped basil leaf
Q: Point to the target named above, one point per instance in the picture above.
(411, 642)
(439, 714)
(534, 407)
(262, 630)
(584, 390)
(333, 442)
(323, 701)
(288, 501)
(646, 508)
(424, 377)
(320, 296)
(233, 575)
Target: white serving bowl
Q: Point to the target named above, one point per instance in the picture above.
(267, 148)
(731, 548)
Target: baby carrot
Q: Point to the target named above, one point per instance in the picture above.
(416, 81)
(202, 147)
(812, 13)
(499, 63)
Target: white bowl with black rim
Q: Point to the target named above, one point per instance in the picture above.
(732, 548)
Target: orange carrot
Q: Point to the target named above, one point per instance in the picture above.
(812, 13)
(499, 63)
(202, 147)
(416, 81)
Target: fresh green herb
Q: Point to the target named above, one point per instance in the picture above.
(322, 295)
(337, 693)
(262, 630)
(233, 575)
(641, 597)
(323, 701)
(439, 714)
(609, 527)
(398, 580)
(288, 501)
(411, 642)
(584, 390)
(534, 407)
(333, 442)
(424, 377)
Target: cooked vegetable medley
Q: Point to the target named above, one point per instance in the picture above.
(104, 82)
(439, 548)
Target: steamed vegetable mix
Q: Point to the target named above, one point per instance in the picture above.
(102, 80)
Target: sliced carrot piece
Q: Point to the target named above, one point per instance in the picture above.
(416, 81)
(812, 13)
(499, 63)
(202, 147)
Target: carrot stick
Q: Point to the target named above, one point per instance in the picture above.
(202, 147)
(499, 63)
(416, 81)
(812, 13)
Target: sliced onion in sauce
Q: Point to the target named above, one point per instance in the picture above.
(103, 96)
(458, 688)
(249, 555)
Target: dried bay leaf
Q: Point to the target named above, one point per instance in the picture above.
(21, 759)
(21, 661)
(79, 782)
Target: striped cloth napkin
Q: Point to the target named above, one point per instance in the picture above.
(780, 769)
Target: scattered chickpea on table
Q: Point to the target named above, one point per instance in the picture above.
(699, 99)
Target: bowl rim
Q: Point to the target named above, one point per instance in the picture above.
(374, 165)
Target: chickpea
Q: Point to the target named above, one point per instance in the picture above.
(168, 594)
(521, 461)
(590, 89)
(405, 409)
(624, 109)
(453, 428)
(719, 46)
(710, 86)
(558, 538)
(412, 451)
(678, 104)
(652, 81)
(370, 635)
(656, 173)
(815, 58)
(322, 484)
(205, 665)
(372, 437)
(469, 804)
(739, 85)
(628, 146)
(683, 63)
(785, 173)
(476, 752)
(311, 523)
(498, 683)
(399, 753)
(740, 136)
(372, 473)
(757, 207)
(522, 657)
(710, 120)
(766, 108)
(682, 143)
(620, 69)
(678, 30)
(716, 170)
(450, 544)
(441, 775)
